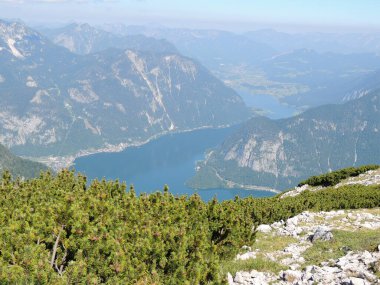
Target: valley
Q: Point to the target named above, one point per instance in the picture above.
(168, 160)
(189, 142)
(107, 92)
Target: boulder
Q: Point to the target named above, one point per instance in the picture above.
(357, 281)
(247, 255)
(291, 276)
(321, 233)
(264, 228)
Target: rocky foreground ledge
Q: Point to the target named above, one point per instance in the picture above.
(309, 237)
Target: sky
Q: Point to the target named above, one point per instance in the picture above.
(242, 15)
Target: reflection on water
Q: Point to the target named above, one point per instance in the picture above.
(168, 160)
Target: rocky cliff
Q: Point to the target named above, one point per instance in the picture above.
(278, 153)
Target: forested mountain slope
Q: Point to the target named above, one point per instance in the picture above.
(18, 166)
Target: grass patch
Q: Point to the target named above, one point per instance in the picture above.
(260, 263)
(269, 243)
(374, 211)
(265, 243)
(342, 242)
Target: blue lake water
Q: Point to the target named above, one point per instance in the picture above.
(170, 160)
(271, 106)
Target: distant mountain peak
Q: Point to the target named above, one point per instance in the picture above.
(83, 39)
(18, 39)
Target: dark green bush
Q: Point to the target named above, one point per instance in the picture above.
(57, 230)
(334, 177)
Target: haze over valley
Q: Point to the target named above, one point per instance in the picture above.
(80, 89)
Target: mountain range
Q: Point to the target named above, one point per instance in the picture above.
(58, 103)
(302, 70)
(81, 38)
(291, 67)
(276, 154)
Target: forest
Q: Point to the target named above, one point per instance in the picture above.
(61, 229)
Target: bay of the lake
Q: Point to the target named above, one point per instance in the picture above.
(170, 159)
(270, 105)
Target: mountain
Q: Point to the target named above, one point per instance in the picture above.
(362, 86)
(278, 153)
(58, 103)
(18, 166)
(85, 39)
(296, 69)
(213, 48)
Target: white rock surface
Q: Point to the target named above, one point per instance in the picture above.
(264, 228)
(352, 269)
(321, 233)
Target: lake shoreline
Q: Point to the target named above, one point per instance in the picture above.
(59, 162)
(76, 161)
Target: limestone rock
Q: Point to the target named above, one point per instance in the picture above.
(321, 233)
(264, 228)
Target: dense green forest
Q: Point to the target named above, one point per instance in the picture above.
(58, 229)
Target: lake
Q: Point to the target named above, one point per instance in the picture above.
(271, 106)
(170, 160)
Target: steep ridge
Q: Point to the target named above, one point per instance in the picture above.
(278, 153)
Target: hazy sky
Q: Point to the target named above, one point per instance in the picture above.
(227, 14)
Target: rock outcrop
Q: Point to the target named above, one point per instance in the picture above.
(354, 267)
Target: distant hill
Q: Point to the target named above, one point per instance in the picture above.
(19, 166)
(279, 153)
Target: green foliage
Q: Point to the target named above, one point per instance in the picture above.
(56, 229)
(260, 263)
(269, 210)
(334, 177)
